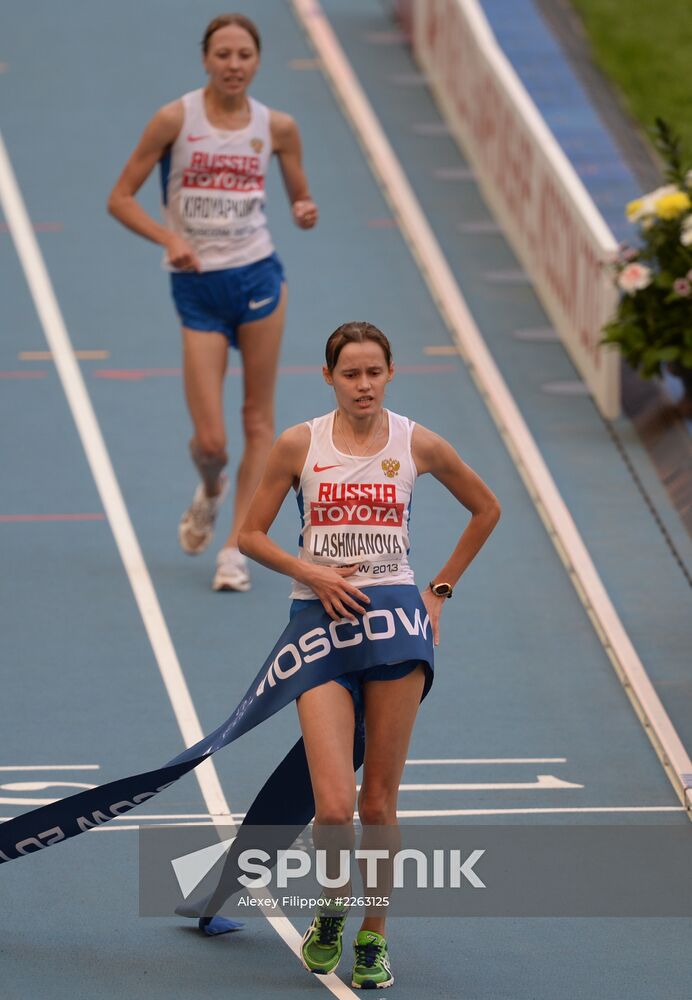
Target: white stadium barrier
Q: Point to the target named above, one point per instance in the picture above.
(547, 215)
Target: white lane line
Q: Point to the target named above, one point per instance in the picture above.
(156, 816)
(40, 786)
(191, 819)
(431, 813)
(416, 814)
(413, 814)
(491, 760)
(148, 826)
(228, 820)
(50, 767)
(56, 334)
(547, 781)
(501, 405)
(7, 800)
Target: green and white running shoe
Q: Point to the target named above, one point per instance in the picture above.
(371, 970)
(322, 947)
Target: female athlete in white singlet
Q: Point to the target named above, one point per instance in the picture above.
(353, 471)
(213, 147)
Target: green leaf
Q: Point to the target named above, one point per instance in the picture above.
(627, 335)
(650, 362)
(668, 354)
(669, 146)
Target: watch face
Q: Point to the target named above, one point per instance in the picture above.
(442, 589)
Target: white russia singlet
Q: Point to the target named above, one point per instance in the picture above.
(355, 510)
(213, 187)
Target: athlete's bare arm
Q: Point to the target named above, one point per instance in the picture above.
(287, 146)
(284, 465)
(158, 136)
(433, 454)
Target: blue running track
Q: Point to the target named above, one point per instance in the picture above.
(521, 674)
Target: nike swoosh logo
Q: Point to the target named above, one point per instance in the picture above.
(196, 138)
(323, 468)
(262, 302)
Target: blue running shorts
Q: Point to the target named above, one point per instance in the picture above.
(222, 301)
(354, 682)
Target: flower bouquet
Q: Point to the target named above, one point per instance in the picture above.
(653, 323)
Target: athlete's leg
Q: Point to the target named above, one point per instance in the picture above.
(259, 343)
(204, 365)
(390, 712)
(327, 721)
(205, 357)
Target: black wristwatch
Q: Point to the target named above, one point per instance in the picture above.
(442, 589)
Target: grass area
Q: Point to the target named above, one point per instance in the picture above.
(645, 47)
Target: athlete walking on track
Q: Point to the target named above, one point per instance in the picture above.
(353, 471)
(213, 147)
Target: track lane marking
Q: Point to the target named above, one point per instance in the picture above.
(33, 518)
(80, 355)
(489, 760)
(50, 767)
(543, 781)
(205, 819)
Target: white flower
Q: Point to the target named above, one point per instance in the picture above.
(641, 208)
(686, 232)
(661, 192)
(634, 277)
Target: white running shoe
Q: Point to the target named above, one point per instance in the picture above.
(232, 571)
(196, 528)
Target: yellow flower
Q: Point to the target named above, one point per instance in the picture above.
(672, 205)
(634, 208)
